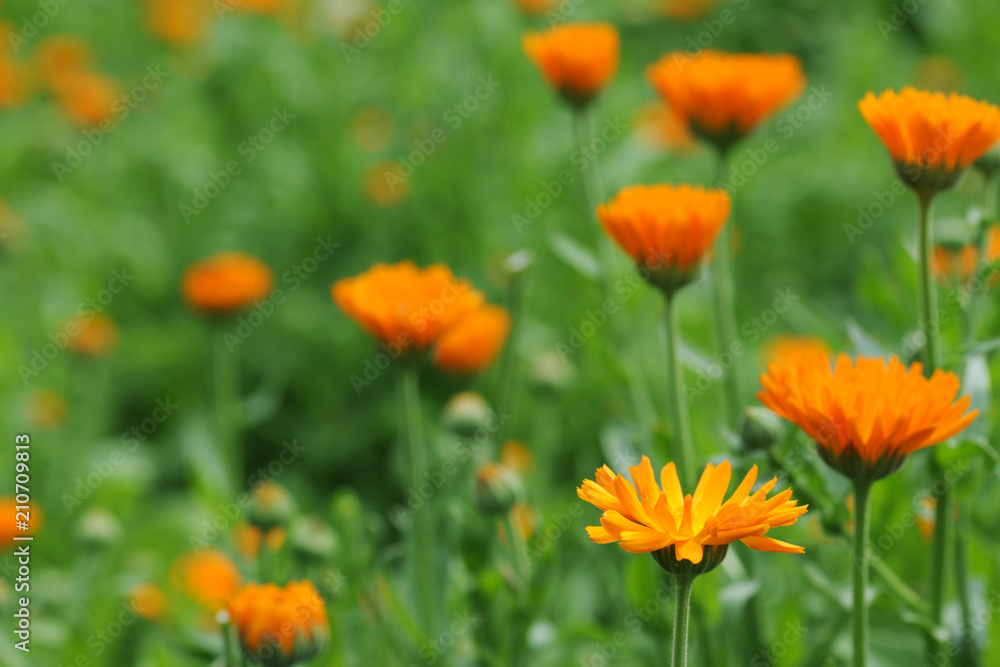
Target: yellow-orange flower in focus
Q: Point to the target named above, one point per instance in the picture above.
(474, 342)
(666, 229)
(280, 626)
(148, 601)
(10, 518)
(866, 415)
(932, 137)
(95, 334)
(787, 348)
(406, 306)
(724, 96)
(226, 281)
(208, 577)
(577, 59)
(674, 527)
(179, 22)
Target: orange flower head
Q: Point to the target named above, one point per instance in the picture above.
(62, 58)
(179, 22)
(474, 342)
(866, 415)
(208, 577)
(534, 7)
(148, 601)
(11, 513)
(662, 127)
(401, 304)
(47, 409)
(95, 335)
(956, 265)
(687, 534)
(724, 96)
(788, 348)
(666, 229)
(687, 10)
(226, 282)
(516, 456)
(88, 98)
(577, 59)
(932, 137)
(280, 626)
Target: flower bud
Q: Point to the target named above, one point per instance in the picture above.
(312, 539)
(549, 372)
(465, 413)
(279, 627)
(98, 528)
(759, 428)
(270, 506)
(498, 488)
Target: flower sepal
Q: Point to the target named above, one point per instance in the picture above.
(712, 558)
(850, 464)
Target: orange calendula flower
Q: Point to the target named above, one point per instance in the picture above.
(148, 601)
(931, 137)
(666, 229)
(535, 6)
(61, 58)
(208, 577)
(11, 516)
(866, 415)
(662, 127)
(89, 98)
(787, 348)
(956, 265)
(406, 306)
(47, 409)
(280, 626)
(474, 342)
(687, 10)
(724, 96)
(93, 335)
(226, 281)
(674, 527)
(179, 22)
(577, 59)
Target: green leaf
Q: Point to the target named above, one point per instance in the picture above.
(575, 256)
(976, 383)
(864, 343)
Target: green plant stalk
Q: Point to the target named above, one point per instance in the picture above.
(228, 645)
(508, 365)
(226, 379)
(932, 361)
(675, 383)
(682, 617)
(519, 611)
(862, 514)
(725, 309)
(421, 573)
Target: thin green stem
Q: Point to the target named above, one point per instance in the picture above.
(862, 522)
(226, 379)
(507, 395)
(675, 383)
(229, 649)
(682, 616)
(962, 586)
(422, 573)
(519, 609)
(725, 311)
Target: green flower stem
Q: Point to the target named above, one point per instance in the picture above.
(675, 383)
(228, 412)
(725, 309)
(421, 567)
(862, 514)
(682, 615)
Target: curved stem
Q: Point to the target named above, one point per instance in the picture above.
(725, 310)
(682, 614)
(862, 520)
(421, 568)
(675, 382)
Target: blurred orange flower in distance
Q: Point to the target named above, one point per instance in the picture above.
(384, 184)
(931, 137)
(687, 10)
(642, 518)
(787, 348)
(474, 342)
(866, 415)
(955, 265)
(257, 6)
(666, 229)
(148, 601)
(179, 22)
(577, 59)
(88, 98)
(724, 96)
(96, 334)
(9, 521)
(662, 127)
(248, 539)
(47, 408)
(402, 304)
(208, 577)
(517, 456)
(280, 625)
(534, 7)
(373, 128)
(59, 58)
(226, 282)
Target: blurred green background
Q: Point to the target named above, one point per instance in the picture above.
(353, 109)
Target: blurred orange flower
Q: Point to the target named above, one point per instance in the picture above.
(535, 6)
(724, 96)
(666, 229)
(10, 515)
(787, 349)
(373, 128)
(47, 408)
(60, 58)
(406, 306)
(953, 266)
(662, 127)
(89, 98)
(516, 456)
(577, 59)
(96, 334)
(248, 539)
(179, 22)
(474, 342)
(931, 137)
(290, 622)
(257, 6)
(208, 577)
(226, 281)
(686, 10)
(866, 415)
(384, 183)
(642, 518)
(148, 601)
